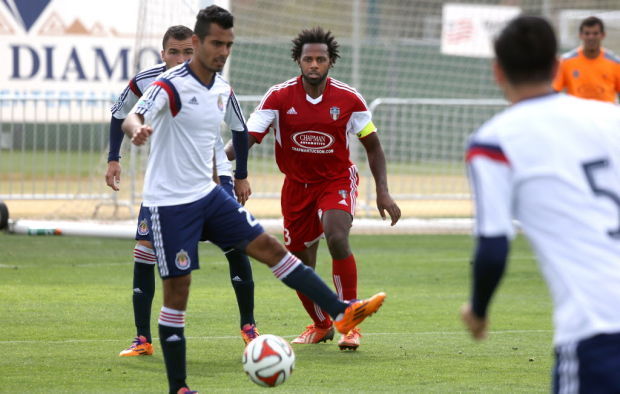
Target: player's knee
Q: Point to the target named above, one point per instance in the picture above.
(266, 249)
(145, 243)
(337, 241)
(176, 291)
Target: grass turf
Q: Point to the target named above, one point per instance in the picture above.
(65, 313)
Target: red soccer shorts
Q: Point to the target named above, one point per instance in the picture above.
(303, 205)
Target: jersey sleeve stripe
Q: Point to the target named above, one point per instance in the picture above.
(173, 96)
(340, 85)
(237, 109)
(493, 152)
(275, 88)
(570, 54)
(134, 88)
(150, 72)
(153, 93)
(121, 99)
(612, 57)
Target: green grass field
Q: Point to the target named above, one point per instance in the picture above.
(65, 313)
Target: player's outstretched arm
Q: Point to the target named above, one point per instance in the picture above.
(376, 161)
(135, 128)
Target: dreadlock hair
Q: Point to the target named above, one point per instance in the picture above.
(316, 35)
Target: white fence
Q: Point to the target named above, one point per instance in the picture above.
(55, 149)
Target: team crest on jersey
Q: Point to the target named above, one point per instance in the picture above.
(182, 261)
(334, 112)
(220, 102)
(576, 74)
(343, 194)
(143, 227)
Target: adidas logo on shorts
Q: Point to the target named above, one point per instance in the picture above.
(291, 111)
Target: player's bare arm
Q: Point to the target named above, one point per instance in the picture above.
(113, 175)
(242, 190)
(230, 151)
(376, 161)
(134, 127)
(477, 326)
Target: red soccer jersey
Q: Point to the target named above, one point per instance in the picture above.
(312, 135)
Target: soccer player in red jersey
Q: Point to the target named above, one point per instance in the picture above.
(314, 117)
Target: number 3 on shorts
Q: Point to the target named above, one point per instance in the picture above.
(248, 216)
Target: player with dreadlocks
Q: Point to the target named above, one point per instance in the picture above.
(313, 117)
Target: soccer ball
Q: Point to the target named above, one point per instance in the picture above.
(268, 360)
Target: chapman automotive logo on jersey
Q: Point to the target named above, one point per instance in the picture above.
(70, 48)
(312, 141)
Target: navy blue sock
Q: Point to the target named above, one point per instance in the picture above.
(143, 292)
(173, 347)
(243, 284)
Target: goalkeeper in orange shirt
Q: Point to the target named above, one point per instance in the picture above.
(590, 71)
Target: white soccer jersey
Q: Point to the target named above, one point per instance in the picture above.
(186, 117)
(134, 90)
(553, 163)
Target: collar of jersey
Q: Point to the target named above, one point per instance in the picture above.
(310, 99)
(189, 70)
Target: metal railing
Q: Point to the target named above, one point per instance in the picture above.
(56, 149)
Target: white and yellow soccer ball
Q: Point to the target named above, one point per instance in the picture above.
(268, 360)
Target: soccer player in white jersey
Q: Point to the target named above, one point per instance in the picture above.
(181, 113)
(552, 162)
(314, 117)
(177, 48)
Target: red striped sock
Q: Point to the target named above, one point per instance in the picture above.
(344, 273)
(320, 318)
(171, 317)
(142, 254)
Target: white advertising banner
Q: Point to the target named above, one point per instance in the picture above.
(74, 50)
(469, 29)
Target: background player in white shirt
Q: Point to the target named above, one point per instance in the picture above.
(177, 48)
(552, 162)
(181, 113)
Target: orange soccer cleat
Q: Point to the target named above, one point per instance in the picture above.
(139, 347)
(314, 334)
(350, 340)
(357, 311)
(249, 332)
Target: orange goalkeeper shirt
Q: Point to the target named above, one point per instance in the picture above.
(597, 79)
